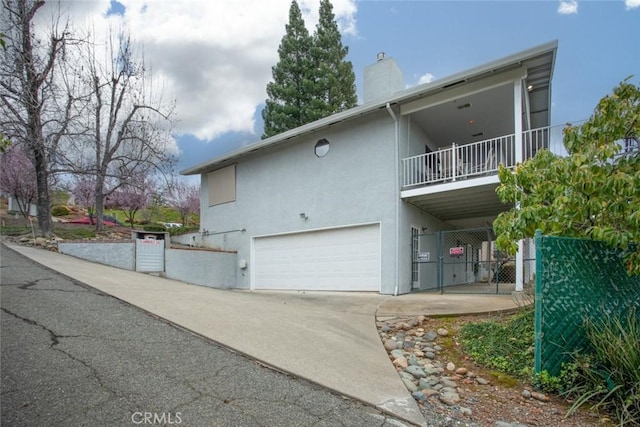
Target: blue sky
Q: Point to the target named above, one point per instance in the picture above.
(215, 57)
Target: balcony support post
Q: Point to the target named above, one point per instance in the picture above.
(454, 161)
(517, 109)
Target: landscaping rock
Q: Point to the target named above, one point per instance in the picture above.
(395, 353)
(392, 344)
(419, 396)
(540, 396)
(449, 397)
(409, 385)
(401, 362)
(430, 336)
(416, 371)
(448, 383)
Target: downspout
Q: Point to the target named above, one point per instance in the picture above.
(397, 212)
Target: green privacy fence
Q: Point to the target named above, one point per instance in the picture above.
(576, 279)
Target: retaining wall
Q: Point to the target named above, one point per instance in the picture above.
(116, 253)
(199, 267)
(206, 268)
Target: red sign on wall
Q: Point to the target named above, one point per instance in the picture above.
(457, 251)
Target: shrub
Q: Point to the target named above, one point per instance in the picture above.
(546, 382)
(154, 227)
(73, 233)
(608, 376)
(59, 210)
(505, 346)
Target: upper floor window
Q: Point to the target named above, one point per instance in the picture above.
(222, 185)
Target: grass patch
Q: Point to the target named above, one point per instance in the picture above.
(505, 345)
(152, 214)
(14, 230)
(75, 233)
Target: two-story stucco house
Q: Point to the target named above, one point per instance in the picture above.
(338, 204)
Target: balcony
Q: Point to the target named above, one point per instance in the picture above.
(475, 160)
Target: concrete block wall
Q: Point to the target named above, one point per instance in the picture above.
(200, 267)
(118, 253)
(205, 268)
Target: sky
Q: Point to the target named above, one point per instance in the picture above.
(214, 57)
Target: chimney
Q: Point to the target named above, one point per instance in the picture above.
(381, 78)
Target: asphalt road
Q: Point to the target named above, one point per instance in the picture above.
(73, 356)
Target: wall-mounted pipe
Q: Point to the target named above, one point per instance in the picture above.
(206, 232)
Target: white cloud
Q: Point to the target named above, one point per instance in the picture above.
(632, 4)
(213, 57)
(426, 78)
(569, 7)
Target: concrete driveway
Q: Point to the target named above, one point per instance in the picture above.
(326, 337)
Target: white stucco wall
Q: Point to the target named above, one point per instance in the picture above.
(414, 140)
(354, 183)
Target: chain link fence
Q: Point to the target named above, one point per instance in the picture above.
(466, 261)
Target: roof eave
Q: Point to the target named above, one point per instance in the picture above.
(408, 94)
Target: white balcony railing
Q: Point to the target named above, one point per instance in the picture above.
(471, 160)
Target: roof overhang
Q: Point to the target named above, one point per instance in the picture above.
(542, 56)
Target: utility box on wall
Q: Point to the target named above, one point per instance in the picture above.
(150, 247)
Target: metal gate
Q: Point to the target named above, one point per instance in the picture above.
(150, 254)
(465, 261)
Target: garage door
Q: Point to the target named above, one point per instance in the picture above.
(344, 259)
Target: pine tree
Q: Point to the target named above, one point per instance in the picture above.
(334, 77)
(312, 80)
(291, 91)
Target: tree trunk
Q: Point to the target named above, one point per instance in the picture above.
(99, 203)
(45, 223)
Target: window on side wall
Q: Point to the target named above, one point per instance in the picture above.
(222, 185)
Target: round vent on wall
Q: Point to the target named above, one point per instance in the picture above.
(321, 148)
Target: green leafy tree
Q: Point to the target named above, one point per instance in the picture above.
(292, 89)
(593, 192)
(334, 76)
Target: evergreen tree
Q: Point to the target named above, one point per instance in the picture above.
(291, 91)
(312, 80)
(334, 77)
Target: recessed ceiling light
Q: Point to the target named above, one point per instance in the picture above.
(472, 122)
(530, 88)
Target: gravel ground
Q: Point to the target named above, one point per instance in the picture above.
(502, 401)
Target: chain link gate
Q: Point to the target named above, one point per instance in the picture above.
(465, 261)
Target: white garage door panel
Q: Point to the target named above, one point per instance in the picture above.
(336, 259)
